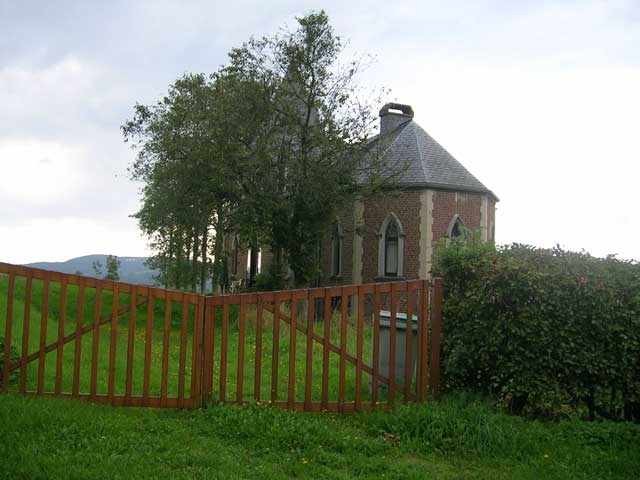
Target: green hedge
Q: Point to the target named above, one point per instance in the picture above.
(544, 330)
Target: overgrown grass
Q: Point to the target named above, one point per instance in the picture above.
(459, 437)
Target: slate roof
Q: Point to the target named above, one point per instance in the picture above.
(419, 161)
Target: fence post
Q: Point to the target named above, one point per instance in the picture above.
(434, 377)
(7, 335)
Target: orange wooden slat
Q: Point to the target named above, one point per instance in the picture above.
(96, 339)
(7, 334)
(344, 311)
(26, 325)
(131, 342)
(325, 350)
(292, 352)
(147, 347)
(224, 340)
(434, 378)
(197, 352)
(258, 364)
(61, 324)
(184, 322)
(113, 338)
(43, 334)
(376, 346)
(75, 389)
(207, 373)
(165, 348)
(241, 335)
(309, 356)
(276, 348)
(423, 341)
(392, 343)
(359, 348)
(409, 343)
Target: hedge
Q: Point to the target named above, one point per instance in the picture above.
(544, 330)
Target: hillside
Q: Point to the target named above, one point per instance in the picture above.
(132, 269)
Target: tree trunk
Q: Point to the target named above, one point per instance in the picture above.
(194, 261)
(203, 253)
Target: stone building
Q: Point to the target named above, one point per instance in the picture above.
(392, 235)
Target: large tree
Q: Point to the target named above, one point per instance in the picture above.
(268, 147)
(308, 158)
(187, 192)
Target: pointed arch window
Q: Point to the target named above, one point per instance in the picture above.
(336, 250)
(456, 228)
(391, 248)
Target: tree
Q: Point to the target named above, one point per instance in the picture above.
(112, 265)
(268, 147)
(307, 154)
(96, 266)
(184, 157)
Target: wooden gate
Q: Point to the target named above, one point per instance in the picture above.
(334, 349)
(125, 344)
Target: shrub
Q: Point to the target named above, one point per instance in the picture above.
(13, 376)
(545, 329)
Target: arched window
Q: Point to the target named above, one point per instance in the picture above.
(456, 227)
(391, 248)
(336, 250)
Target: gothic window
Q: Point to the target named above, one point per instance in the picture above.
(336, 250)
(391, 248)
(456, 227)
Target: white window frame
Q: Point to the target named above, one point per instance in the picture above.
(382, 247)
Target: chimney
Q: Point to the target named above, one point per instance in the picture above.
(393, 115)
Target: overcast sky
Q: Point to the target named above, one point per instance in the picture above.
(539, 100)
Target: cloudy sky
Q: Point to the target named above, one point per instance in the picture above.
(539, 100)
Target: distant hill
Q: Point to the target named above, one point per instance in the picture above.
(132, 269)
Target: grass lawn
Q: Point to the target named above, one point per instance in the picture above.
(459, 437)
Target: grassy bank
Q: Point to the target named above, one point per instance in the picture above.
(459, 437)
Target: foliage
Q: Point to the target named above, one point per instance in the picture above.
(267, 147)
(96, 266)
(457, 437)
(308, 156)
(13, 357)
(112, 266)
(548, 329)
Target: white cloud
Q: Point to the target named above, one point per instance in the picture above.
(37, 172)
(59, 239)
(538, 99)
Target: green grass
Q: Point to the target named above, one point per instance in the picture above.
(457, 438)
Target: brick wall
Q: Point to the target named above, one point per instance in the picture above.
(345, 217)
(446, 204)
(406, 206)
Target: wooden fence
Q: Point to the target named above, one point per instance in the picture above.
(332, 349)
